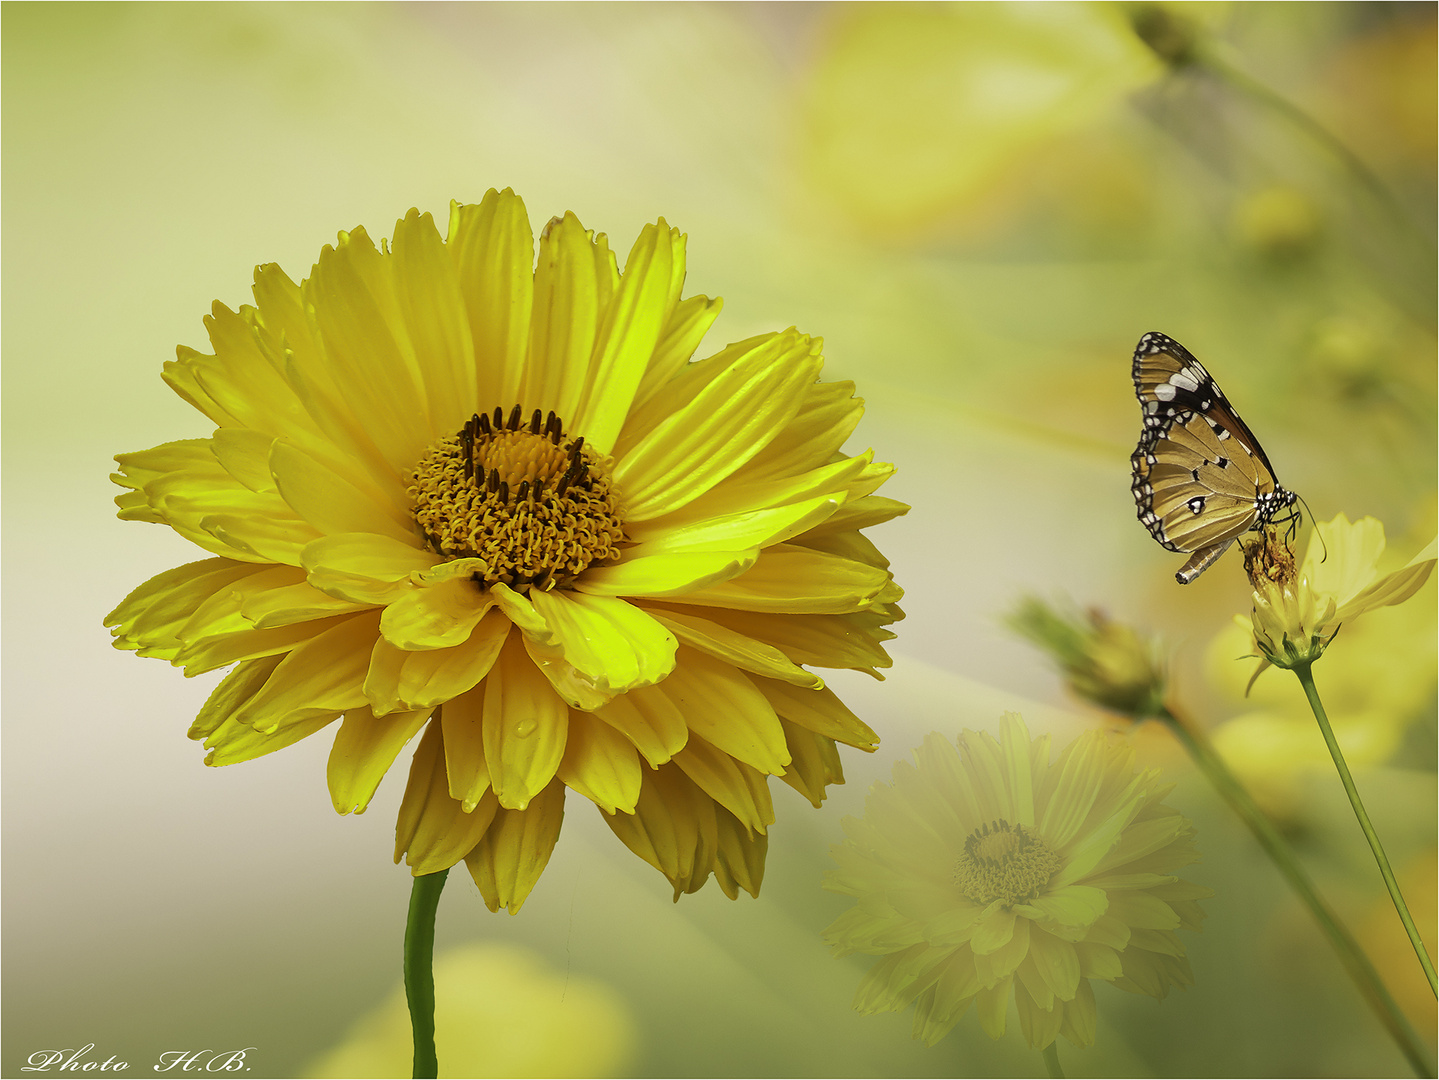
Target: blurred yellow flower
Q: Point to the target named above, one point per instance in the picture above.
(985, 868)
(451, 487)
(1297, 614)
(499, 1011)
(919, 118)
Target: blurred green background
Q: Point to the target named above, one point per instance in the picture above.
(981, 207)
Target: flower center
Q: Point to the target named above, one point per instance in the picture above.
(1004, 862)
(535, 506)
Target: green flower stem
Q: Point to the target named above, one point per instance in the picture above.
(1051, 1061)
(1306, 680)
(1350, 954)
(419, 969)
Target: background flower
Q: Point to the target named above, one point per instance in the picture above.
(153, 154)
(986, 868)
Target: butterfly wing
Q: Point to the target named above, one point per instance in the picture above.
(1200, 477)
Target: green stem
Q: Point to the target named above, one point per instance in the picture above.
(1348, 950)
(1306, 680)
(1051, 1061)
(419, 969)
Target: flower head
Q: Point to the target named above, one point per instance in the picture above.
(455, 491)
(1297, 612)
(986, 869)
(1104, 661)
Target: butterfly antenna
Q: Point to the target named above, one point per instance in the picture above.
(1317, 533)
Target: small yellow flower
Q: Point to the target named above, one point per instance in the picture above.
(985, 869)
(455, 491)
(1104, 661)
(1297, 613)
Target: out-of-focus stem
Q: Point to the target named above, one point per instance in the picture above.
(1365, 977)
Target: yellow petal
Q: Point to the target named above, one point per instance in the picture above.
(739, 856)
(399, 678)
(435, 618)
(601, 764)
(233, 742)
(630, 328)
(366, 554)
(818, 710)
(525, 724)
(736, 532)
(245, 455)
(148, 620)
(324, 675)
(493, 250)
(365, 747)
(714, 423)
(209, 653)
(676, 574)
(1393, 588)
(673, 828)
(513, 853)
(574, 273)
(462, 720)
(723, 706)
(241, 684)
(733, 648)
(814, 762)
(616, 645)
(351, 294)
(737, 787)
(433, 832)
(650, 720)
(687, 325)
(794, 580)
(331, 503)
(427, 287)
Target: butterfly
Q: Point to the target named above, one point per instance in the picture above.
(1200, 477)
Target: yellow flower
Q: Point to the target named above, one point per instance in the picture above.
(455, 491)
(1297, 614)
(985, 868)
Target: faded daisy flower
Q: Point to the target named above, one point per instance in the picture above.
(985, 871)
(455, 491)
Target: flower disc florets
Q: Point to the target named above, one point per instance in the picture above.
(535, 506)
(1004, 862)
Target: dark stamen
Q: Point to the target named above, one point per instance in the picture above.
(524, 489)
(467, 440)
(515, 419)
(535, 423)
(560, 487)
(504, 493)
(483, 423)
(492, 483)
(577, 447)
(499, 418)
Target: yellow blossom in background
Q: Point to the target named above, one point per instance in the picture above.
(985, 871)
(925, 118)
(456, 491)
(499, 1011)
(1297, 613)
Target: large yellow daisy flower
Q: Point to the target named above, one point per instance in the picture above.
(986, 871)
(455, 490)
